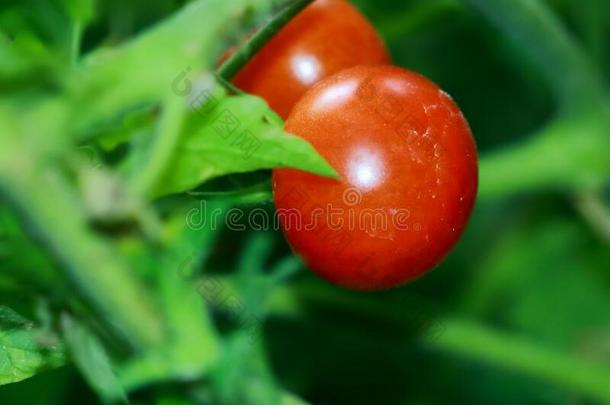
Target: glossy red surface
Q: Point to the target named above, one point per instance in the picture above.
(406, 157)
(326, 37)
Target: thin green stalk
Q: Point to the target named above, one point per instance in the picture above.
(474, 341)
(289, 399)
(256, 194)
(114, 81)
(75, 42)
(591, 206)
(569, 154)
(238, 60)
(53, 214)
(230, 87)
(238, 198)
(163, 145)
(538, 33)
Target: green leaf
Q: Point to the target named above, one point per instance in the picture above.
(236, 135)
(157, 58)
(25, 350)
(91, 358)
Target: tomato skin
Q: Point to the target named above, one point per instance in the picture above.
(402, 148)
(326, 37)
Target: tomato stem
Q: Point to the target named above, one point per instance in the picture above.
(228, 85)
(239, 59)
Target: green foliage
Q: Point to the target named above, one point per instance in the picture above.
(235, 135)
(26, 349)
(71, 200)
(91, 358)
(113, 122)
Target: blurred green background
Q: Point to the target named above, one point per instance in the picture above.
(519, 313)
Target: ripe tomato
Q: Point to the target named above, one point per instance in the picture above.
(408, 167)
(326, 37)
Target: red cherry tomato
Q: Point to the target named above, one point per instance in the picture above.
(408, 167)
(326, 37)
